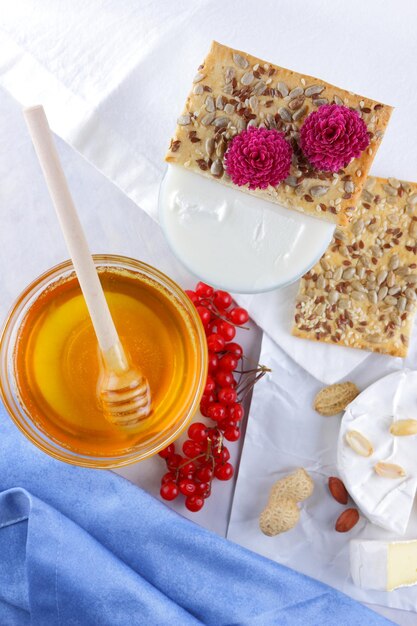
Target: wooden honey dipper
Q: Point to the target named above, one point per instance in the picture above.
(123, 390)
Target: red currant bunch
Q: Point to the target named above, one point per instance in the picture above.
(204, 454)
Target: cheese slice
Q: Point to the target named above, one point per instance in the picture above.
(383, 565)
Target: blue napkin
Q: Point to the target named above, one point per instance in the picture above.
(83, 547)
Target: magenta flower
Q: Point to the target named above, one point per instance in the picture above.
(258, 157)
(332, 136)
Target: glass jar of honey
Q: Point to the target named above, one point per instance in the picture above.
(50, 362)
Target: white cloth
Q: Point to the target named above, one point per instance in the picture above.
(114, 77)
(283, 433)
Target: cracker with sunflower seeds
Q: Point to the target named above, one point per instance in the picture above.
(362, 293)
(316, 159)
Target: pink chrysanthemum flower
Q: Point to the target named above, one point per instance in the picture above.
(258, 157)
(332, 136)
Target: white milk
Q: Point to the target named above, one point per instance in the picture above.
(233, 240)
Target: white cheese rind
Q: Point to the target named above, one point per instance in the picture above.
(369, 564)
(386, 502)
(383, 565)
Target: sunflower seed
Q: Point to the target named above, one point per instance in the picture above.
(349, 186)
(247, 78)
(198, 90)
(394, 183)
(390, 300)
(410, 294)
(318, 190)
(253, 103)
(413, 229)
(339, 234)
(299, 114)
(229, 74)
(291, 181)
(382, 292)
(217, 168)
(338, 274)
(358, 227)
(313, 90)
(283, 89)
(318, 102)
(220, 103)
(284, 114)
(220, 122)
(198, 77)
(184, 120)
(207, 119)
(367, 195)
(412, 279)
(240, 60)
(333, 296)
(404, 428)
(413, 199)
(321, 283)
(372, 297)
(359, 443)
(294, 93)
(401, 304)
(209, 104)
(381, 276)
(210, 146)
(259, 88)
(393, 218)
(349, 273)
(394, 262)
(389, 470)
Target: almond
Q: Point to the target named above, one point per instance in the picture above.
(338, 490)
(404, 428)
(335, 398)
(359, 443)
(347, 520)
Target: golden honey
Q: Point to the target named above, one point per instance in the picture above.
(57, 362)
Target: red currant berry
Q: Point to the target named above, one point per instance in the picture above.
(238, 316)
(210, 385)
(235, 412)
(203, 290)
(213, 362)
(169, 491)
(204, 473)
(222, 299)
(225, 454)
(225, 379)
(188, 469)
(227, 396)
(232, 433)
(191, 448)
(203, 489)
(168, 477)
(216, 411)
(235, 349)
(204, 314)
(228, 363)
(194, 503)
(226, 330)
(224, 472)
(198, 432)
(166, 452)
(192, 295)
(187, 487)
(215, 342)
(174, 461)
(204, 407)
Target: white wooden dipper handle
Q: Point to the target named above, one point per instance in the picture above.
(111, 348)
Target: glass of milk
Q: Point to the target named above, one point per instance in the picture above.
(236, 241)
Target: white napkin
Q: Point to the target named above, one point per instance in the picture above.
(113, 80)
(284, 433)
